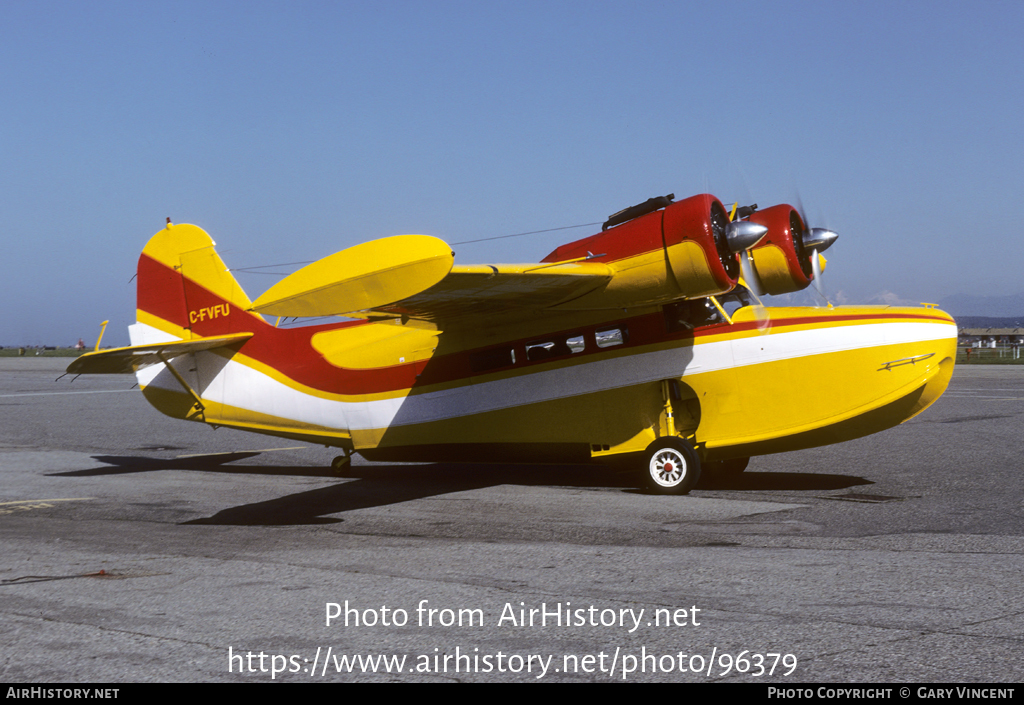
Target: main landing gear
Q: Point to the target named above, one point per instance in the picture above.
(342, 466)
(672, 466)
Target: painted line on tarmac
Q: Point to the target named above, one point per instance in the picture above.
(24, 505)
(35, 501)
(50, 394)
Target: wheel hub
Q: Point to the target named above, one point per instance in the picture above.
(668, 468)
(672, 466)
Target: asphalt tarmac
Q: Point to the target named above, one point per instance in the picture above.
(132, 553)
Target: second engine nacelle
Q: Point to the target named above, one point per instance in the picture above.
(782, 262)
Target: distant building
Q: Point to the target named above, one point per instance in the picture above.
(991, 337)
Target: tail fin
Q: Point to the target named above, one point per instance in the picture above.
(185, 291)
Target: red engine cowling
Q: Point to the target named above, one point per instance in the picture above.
(692, 232)
(702, 219)
(782, 262)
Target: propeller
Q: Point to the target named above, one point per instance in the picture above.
(741, 236)
(817, 240)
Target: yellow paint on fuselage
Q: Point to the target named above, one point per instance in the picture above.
(179, 405)
(771, 401)
(373, 346)
(750, 406)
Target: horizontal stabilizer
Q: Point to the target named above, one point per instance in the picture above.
(366, 276)
(126, 360)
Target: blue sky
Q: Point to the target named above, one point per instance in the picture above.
(291, 130)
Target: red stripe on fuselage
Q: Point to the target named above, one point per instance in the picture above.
(289, 351)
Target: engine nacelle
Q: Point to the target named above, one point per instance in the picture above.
(782, 262)
(700, 221)
(679, 250)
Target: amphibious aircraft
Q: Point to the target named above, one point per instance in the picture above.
(646, 343)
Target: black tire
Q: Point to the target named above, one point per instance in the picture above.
(671, 466)
(342, 466)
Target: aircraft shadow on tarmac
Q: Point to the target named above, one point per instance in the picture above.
(367, 486)
(122, 464)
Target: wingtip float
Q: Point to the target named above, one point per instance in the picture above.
(654, 348)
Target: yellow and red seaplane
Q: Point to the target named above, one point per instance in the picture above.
(646, 341)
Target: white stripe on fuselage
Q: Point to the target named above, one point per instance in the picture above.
(237, 385)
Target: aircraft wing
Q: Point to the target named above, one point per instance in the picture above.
(126, 360)
(414, 276)
(489, 290)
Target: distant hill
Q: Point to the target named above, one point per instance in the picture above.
(1001, 308)
(989, 322)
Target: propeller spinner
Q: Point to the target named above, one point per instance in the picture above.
(817, 240)
(742, 235)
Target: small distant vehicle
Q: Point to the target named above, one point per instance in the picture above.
(646, 342)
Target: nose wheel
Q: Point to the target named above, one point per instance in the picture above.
(672, 466)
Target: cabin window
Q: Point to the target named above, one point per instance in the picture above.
(555, 347)
(611, 337)
(492, 359)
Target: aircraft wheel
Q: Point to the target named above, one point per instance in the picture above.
(341, 465)
(672, 466)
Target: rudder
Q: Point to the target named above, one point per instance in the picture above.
(184, 290)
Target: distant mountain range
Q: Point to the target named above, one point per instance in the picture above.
(996, 308)
(969, 310)
(989, 322)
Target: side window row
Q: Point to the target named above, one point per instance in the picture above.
(557, 346)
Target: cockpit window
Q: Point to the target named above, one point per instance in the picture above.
(737, 299)
(696, 313)
(687, 315)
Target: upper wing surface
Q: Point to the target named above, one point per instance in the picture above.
(490, 290)
(414, 276)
